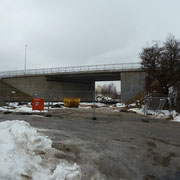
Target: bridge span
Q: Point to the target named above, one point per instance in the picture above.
(76, 79)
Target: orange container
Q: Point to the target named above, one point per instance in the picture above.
(38, 104)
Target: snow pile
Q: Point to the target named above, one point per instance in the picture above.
(63, 172)
(132, 105)
(107, 98)
(168, 114)
(120, 105)
(99, 99)
(137, 110)
(162, 114)
(19, 157)
(177, 118)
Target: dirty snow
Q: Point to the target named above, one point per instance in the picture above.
(107, 98)
(163, 114)
(120, 105)
(176, 119)
(19, 144)
(14, 107)
(88, 104)
(137, 110)
(131, 105)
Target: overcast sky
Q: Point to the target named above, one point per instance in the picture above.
(79, 32)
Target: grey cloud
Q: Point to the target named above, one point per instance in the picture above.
(68, 32)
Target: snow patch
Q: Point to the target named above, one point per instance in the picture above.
(87, 104)
(120, 105)
(137, 110)
(13, 107)
(163, 114)
(176, 119)
(19, 144)
(67, 173)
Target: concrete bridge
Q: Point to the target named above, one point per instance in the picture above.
(76, 81)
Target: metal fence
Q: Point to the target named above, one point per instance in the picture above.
(16, 101)
(13, 95)
(73, 69)
(155, 104)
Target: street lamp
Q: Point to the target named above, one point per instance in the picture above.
(25, 58)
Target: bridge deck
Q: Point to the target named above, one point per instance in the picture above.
(74, 69)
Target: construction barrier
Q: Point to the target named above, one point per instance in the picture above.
(38, 104)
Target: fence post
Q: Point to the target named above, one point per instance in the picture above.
(94, 108)
(8, 104)
(48, 106)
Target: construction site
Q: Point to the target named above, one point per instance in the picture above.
(89, 90)
(109, 138)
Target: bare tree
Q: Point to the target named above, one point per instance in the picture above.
(162, 64)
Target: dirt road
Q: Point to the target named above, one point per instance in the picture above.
(115, 146)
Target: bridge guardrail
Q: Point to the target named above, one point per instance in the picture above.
(72, 69)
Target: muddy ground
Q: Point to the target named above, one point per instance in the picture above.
(116, 146)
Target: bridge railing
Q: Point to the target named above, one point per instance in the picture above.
(72, 69)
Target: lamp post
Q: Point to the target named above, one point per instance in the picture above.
(25, 59)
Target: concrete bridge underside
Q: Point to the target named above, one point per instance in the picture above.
(76, 85)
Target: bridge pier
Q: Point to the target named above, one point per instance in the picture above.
(132, 83)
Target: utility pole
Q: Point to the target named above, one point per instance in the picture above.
(25, 59)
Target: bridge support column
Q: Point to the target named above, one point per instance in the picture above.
(132, 83)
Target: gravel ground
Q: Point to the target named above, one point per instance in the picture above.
(115, 146)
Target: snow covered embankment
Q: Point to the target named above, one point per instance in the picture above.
(19, 144)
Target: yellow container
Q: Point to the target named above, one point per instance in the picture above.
(71, 102)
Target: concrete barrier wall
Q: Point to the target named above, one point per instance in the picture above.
(40, 87)
(132, 83)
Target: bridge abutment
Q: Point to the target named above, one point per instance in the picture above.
(39, 86)
(132, 83)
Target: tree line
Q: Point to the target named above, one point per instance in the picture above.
(109, 90)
